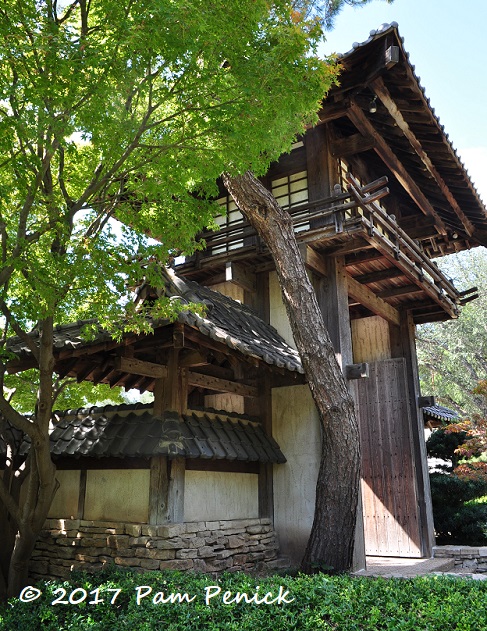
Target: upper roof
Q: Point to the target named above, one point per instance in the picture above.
(403, 116)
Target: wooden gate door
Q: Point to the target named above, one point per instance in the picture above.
(389, 492)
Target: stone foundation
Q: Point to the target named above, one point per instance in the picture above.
(472, 559)
(211, 546)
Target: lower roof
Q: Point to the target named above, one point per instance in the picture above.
(128, 431)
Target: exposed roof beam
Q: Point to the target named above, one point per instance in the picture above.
(332, 111)
(400, 291)
(368, 299)
(382, 274)
(381, 147)
(350, 145)
(221, 385)
(387, 100)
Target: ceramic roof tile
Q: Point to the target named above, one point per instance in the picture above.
(131, 431)
(440, 413)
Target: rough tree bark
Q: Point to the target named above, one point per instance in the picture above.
(23, 521)
(331, 541)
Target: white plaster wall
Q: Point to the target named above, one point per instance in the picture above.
(230, 289)
(370, 339)
(65, 503)
(226, 401)
(296, 427)
(117, 495)
(210, 495)
(277, 310)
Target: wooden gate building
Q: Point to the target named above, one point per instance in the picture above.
(376, 191)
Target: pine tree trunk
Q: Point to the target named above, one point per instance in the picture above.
(331, 541)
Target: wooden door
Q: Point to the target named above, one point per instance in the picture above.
(389, 491)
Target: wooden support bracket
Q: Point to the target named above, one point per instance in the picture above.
(424, 402)
(357, 371)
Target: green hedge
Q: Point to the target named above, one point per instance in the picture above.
(319, 602)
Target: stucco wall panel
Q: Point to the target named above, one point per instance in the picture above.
(65, 503)
(295, 426)
(210, 495)
(117, 494)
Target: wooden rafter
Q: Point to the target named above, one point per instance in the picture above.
(381, 147)
(384, 95)
(368, 299)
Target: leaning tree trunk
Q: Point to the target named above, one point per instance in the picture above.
(331, 541)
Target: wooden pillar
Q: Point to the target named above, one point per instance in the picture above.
(403, 344)
(332, 294)
(266, 483)
(319, 165)
(167, 476)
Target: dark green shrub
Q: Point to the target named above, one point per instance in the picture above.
(454, 491)
(455, 520)
(442, 445)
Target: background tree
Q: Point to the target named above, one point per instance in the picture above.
(457, 491)
(453, 355)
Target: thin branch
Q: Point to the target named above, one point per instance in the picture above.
(18, 330)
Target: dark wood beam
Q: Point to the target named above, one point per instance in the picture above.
(381, 147)
(351, 145)
(400, 291)
(382, 274)
(139, 367)
(193, 358)
(331, 111)
(221, 385)
(240, 275)
(388, 102)
(312, 259)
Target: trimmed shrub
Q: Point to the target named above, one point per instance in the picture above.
(318, 602)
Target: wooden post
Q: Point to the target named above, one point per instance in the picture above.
(82, 493)
(319, 166)
(167, 479)
(158, 490)
(332, 295)
(266, 483)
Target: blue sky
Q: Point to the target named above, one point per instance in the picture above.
(446, 41)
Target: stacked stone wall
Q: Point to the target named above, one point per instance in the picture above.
(211, 546)
(470, 558)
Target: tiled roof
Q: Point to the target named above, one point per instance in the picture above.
(226, 321)
(133, 431)
(233, 324)
(461, 202)
(439, 413)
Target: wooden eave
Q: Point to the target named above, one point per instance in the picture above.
(139, 361)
